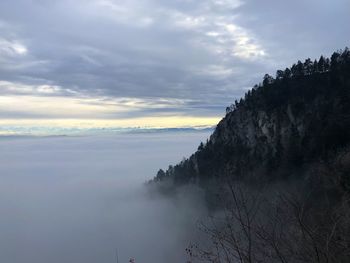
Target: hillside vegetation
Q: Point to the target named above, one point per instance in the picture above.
(276, 170)
(280, 127)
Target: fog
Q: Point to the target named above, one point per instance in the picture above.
(78, 199)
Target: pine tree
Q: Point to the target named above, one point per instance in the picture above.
(279, 74)
(308, 66)
(287, 73)
(315, 67)
(334, 61)
(322, 64)
(267, 80)
(299, 69)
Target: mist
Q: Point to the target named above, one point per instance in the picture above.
(79, 199)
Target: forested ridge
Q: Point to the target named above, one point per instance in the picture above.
(300, 116)
(276, 170)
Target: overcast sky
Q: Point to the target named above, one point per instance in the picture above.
(145, 62)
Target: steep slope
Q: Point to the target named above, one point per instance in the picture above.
(282, 125)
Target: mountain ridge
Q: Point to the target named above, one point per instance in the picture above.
(286, 123)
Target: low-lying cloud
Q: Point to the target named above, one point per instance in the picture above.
(78, 199)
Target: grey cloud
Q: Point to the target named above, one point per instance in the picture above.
(207, 51)
(298, 29)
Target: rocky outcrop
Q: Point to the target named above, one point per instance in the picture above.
(279, 126)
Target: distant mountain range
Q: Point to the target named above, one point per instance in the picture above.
(63, 131)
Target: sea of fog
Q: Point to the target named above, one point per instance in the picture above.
(79, 199)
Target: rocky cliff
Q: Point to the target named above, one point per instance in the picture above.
(282, 125)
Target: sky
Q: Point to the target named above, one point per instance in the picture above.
(151, 63)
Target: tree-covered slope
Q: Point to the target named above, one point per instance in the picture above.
(283, 124)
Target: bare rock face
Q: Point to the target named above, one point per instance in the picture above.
(281, 125)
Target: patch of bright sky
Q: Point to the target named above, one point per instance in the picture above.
(46, 127)
(12, 48)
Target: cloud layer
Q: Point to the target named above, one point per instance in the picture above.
(77, 199)
(180, 57)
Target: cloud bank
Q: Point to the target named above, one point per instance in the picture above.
(126, 59)
(77, 199)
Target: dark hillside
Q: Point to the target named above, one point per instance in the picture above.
(284, 124)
